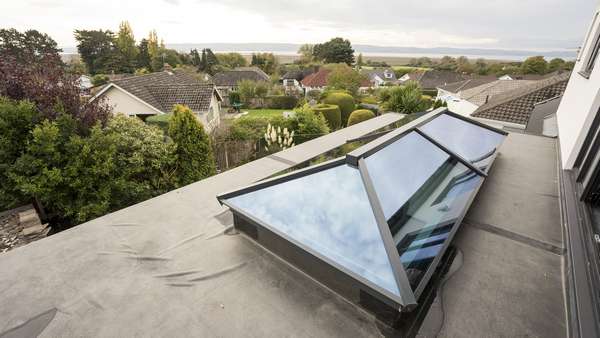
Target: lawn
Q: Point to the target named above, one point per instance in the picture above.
(264, 112)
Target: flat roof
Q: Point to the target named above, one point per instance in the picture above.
(173, 266)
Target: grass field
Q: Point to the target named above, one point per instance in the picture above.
(264, 112)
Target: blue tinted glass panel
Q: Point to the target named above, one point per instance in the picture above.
(422, 191)
(471, 142)
(329, 212)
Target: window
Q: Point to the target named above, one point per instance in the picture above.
(591, 52)
(379, 219)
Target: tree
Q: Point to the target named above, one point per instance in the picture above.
(556, 64)
(97, 50)
(261, 89)
(306, 52)
(17, 120)
(125, 43)
(336, 50)
(343, 77)
(247, 91)
(232, 60)
(194, 156)
(265, 61)
(446, 63)
(481, 67)
(359, 61)
(463, 65)
(208, 61)
(535, 65)
(30, 46)
(143, 57)
(50, 88)
(196, 60)
(406, 99)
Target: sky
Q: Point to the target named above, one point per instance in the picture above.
(505, 24)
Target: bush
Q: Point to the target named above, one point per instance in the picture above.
(360, 115)
(282, 102)
(331, 113)
(344, 101)
(369, 100)
(308, 125)
(406, 99)
(100, 79)
(194, 156)
(234, 97)
(161, 121)
(313, 94)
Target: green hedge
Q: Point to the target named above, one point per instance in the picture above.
(161, 121)
(331, 113)
(360, 115)
(344, 101)
(282, 102)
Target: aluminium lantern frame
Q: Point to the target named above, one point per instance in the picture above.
(331, 273)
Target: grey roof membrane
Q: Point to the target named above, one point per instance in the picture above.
(171, 266)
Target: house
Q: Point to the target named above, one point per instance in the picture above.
(157, 93)
(316, 81)
(227, 81)
(430, 80)
(465, 101)
(292, 80)
(85, 83)
(503, 223)
(515, 108)
(380, 76)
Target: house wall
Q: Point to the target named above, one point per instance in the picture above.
(462, 107)
(121, 102)
(580, 102)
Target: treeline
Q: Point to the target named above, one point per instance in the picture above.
(106, 52)
(71, 156)
(532, 65)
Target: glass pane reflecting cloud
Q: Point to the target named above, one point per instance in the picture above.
(422, 191)
(329, 212)
(468, 140)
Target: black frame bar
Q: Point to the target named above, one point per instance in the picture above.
(408, 298)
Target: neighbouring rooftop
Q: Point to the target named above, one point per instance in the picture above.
(174, 266)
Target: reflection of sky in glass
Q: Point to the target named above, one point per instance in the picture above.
(399, 169)
(329, 212)
(465, 139)
(422, 192)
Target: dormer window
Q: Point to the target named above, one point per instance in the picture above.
(591, 51)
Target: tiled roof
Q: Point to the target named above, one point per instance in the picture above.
(481, 94)
(380, 72)
(231, 78)
(435, 78)
(515, 106)
(318, 79)
(162, 90)
(456, 87)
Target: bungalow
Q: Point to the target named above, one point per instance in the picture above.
(157, 93)
(316, 81)
(227, 81)
(380, 77)
(429, 80)
(292, 80)
(531, 107)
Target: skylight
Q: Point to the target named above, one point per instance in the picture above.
(379, 220)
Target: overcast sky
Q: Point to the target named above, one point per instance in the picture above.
(510, 24)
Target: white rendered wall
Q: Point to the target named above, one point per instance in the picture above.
(579, 104)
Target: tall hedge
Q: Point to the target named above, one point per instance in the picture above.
(360, 115)
(344, 101)
(282, 102)
(195, 159)
(331, 113)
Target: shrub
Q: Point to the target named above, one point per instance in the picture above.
(234, 97)
(369, 100)
(252, 128)
(344, 101)
(100, 79)
(360, 115)
(194, 156)
(161, 121)
(331, 113)
(313, 94)
(307, 125)
(406, 99)
(282, 102)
